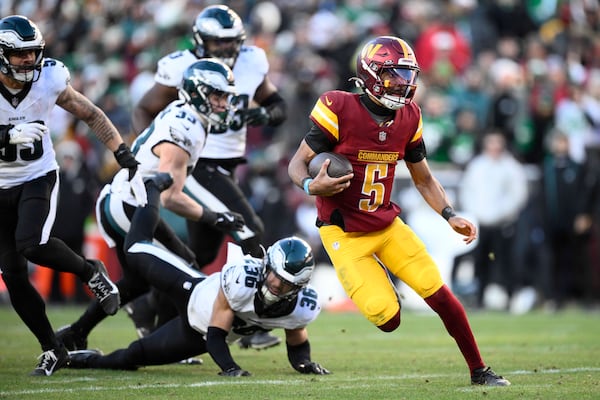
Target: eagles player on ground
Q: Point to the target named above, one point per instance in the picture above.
(248, 295)
(167, 150)
(218, 32)
(31, 86)
(358, 223)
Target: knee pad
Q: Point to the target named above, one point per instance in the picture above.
(383, 313)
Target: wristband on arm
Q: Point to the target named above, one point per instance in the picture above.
(448, 212)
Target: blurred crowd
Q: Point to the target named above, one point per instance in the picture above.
(526, 74)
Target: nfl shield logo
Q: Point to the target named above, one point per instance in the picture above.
(382, 136)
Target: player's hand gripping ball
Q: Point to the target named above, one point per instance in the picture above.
(339, 165)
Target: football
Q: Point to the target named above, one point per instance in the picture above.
(339, 165)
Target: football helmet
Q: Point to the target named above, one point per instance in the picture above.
(202, 78)
(387, 71)
(221, 24)
(18, 33)
(291, 260)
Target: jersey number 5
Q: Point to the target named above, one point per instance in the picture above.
(373, 189)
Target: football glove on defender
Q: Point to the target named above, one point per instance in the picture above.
(126, 159)
(257, 116)
(235, 372)
(224, 221)
(27, 132)
(311, 367)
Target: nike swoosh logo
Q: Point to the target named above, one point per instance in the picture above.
(229, 218)
(327, 101)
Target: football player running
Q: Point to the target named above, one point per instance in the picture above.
(218, 32)
(167, 150)
(359, 226)
(31, 86)
(249, 294)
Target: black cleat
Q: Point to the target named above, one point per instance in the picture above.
(162, 180)
(143, 316)
(487, 377)
(71, 339)
(81, 359)
(103, 288)
(50, 361)
(259, 341)
(191, 361)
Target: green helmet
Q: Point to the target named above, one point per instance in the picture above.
(18, 33)
(206, 76)
(291, 260)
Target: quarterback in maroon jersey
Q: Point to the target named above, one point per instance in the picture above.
(359, 226)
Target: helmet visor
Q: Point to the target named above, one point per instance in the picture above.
(397, 80)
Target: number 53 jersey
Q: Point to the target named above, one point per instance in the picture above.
(239, 281)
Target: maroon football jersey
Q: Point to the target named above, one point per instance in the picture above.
(373, 150)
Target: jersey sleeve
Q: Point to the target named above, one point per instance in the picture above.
(254, 58)
(239, 282)
(60, 77)
(170, 68)
(325, 114)
(178, 126)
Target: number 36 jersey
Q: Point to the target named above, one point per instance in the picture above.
(239, 281)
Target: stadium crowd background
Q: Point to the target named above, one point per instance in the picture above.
(530, 69)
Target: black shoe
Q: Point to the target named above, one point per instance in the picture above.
(142, 315)
(103, 288)
(162, 180)
(71, 339)
(50, 361)
(191, 361)
(259, 341)
(81, 359)
(485, 376)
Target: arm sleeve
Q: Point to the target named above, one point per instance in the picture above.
(218, 349)
(317, 140)
(276, 108)
(299, 354)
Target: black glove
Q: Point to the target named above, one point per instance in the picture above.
(224, 221)
(233, 371)
(310, 367)
(256, 116)
(126, 159)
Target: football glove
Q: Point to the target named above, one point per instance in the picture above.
(256, 116)
(224, 221)
(126, 159)
(27, 132)
(233, 371)
(310, 367)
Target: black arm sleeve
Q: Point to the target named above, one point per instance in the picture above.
(276, 108)
(416, 154)
(299, 354)
(4, 136)
(317, 140)
(218, 349)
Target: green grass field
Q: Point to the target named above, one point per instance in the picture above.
(545, 356)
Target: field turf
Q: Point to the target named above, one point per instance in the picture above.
(545, 356)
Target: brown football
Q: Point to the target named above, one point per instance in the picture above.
(339, 165)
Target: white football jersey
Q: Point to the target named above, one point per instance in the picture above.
(239, 280)
(22, 163)
(249, 72)
(179, 124)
